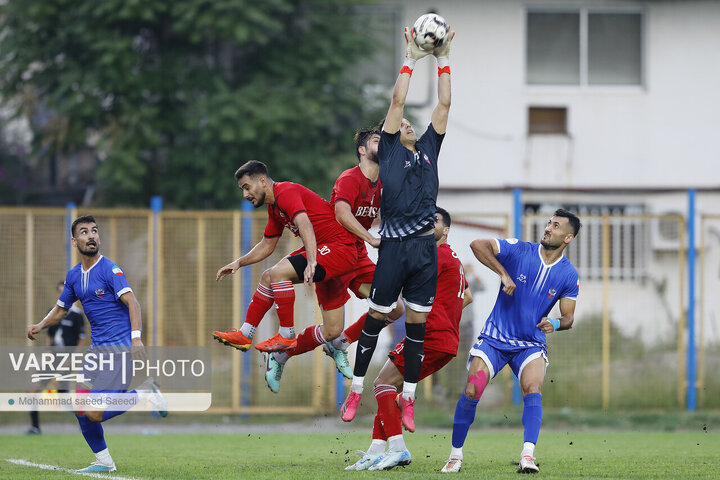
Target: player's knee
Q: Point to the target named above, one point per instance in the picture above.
(476, 384)
(470, 390)
(331, 332)
(94, 416)
(398, 311)
(265, 278)
(531, 387)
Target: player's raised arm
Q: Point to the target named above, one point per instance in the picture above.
(52, 318)
(486, 251)
(307, 233)
(258, 253)
(345, 217)
(439, 116)
(413, 53)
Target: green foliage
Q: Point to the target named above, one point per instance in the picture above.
(176, 95)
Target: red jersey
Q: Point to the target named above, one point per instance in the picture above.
(442, 332)
(292, 199)
(353, 187)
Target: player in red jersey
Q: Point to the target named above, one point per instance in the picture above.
(306, 215)
(441, 345)
(356, 202)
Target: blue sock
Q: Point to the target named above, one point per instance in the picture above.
(464, 417)
(107, 415)
(532, 416)
(93, 433)
(110, 414)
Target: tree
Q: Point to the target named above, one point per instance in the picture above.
(174, 96)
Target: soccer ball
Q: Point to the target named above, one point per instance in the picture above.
(430, 31)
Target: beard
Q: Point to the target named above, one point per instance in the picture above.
(260, 201)
(373, 157)
(549, 246)
(88, 252)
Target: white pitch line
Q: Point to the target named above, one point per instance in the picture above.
(25, 463)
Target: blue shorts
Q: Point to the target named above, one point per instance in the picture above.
(497, 354)
(108, 369)
(408, 265)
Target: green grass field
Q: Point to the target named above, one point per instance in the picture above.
(611, 454)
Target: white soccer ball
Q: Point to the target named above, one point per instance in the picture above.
(430, 31)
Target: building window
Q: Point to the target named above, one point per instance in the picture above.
(629, 235)
(584, 47)
(547, 120)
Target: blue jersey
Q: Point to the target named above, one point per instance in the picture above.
(99, 290)
(539, 286)
(409, 183)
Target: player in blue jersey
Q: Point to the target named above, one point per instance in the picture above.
(534, 277)
(115, 321)
(407, 257)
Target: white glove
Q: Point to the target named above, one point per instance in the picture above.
(413, 51)
(444, 49)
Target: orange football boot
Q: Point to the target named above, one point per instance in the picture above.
(233, 338)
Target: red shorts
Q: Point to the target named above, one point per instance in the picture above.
(336, 258)
(334, 294)
(433, 361)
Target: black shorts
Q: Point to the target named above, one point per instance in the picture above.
(408, 265)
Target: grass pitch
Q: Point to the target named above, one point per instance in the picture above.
(310, 456)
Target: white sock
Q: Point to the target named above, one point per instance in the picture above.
(248, 330)
(287, 332)
(103, 457)
(281, 357)
(408, 392)
(340, 343)
(528, 449)
(357, 385)
(397, 443)
(377, 446)
(456, 453)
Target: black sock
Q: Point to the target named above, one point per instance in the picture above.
(414, 350)
(35, 418)
(366, 344)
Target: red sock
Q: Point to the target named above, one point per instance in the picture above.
(261, 302)
(388, 411)
(378, 430)
(285, 302)
(352, 333)
(310, 338)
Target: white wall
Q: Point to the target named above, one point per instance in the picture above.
(662, 134)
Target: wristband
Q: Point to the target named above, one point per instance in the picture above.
(555, 322)
(135, 334)
(443, 62)
(406, 69)
(444, 70)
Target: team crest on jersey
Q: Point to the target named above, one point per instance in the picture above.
(116, 270)
(551, 293)
(100, 292)
(522, 278)
(427, 160)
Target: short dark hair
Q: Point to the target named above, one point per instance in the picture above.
(362, 136)
(82, 219)
(445, 216)
(381, 124)
(572, 219)
(252, 168)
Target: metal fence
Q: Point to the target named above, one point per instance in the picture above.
(627, 349)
